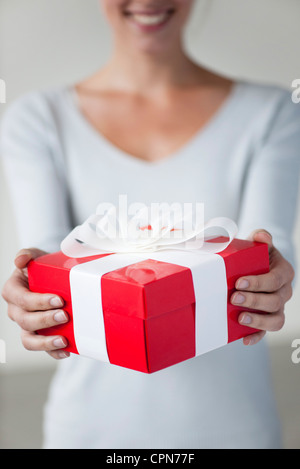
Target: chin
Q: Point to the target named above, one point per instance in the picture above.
(152, 47)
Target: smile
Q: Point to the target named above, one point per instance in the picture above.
(150, 20)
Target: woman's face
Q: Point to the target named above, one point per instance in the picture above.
(149, 25)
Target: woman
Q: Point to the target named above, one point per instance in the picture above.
(155, 126)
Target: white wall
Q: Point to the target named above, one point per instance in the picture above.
(46, 43)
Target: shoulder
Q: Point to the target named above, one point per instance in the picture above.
(33, 110)
(267, 112)
(268, 98)
(262, 91)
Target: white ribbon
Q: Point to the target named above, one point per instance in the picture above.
(130, 247)
(143, 233)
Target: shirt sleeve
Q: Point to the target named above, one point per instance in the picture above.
(271, 186)
(34, 174)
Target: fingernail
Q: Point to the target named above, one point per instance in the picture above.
(59, 343)
(243, 284)
(63, 355)
(22, 255)
(56, 302)
(267, 233)
(246, 319)
(238, 299)
(60, 316)
(248, 342)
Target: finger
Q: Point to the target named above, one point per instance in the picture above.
(270, 282)
(262, 236)
(40, 319)
(25, 255)
(267, 302)
(30, 301)
(39, 343)
(16, 291)
(59, 354)
(264, 322)
(254, 338)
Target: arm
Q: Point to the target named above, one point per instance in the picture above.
(35, 174)
(38, 190)
(269, 202)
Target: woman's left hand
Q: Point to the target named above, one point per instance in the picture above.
(266, 293)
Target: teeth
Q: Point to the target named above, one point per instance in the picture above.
(150, 20)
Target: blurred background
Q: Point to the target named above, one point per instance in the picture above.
(45, 44)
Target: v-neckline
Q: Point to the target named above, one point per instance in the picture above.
(200, 134)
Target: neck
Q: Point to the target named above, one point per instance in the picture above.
(148, 72)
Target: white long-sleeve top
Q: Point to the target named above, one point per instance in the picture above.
(244, 164)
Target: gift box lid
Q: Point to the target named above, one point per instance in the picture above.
(144, 289)
(147, 289)
(150, 288)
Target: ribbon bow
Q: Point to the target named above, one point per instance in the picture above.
(145, 232)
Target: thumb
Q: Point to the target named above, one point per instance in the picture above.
(262, 236)
(24, 256)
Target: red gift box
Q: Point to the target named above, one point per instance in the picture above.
(148, 306)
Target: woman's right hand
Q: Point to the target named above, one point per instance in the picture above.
(34, 311)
